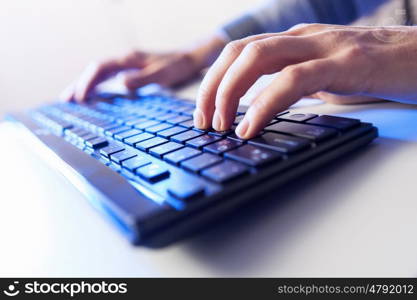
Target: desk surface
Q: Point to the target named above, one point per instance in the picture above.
(357, 217)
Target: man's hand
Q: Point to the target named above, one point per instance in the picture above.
(167, 69)
(332, 61)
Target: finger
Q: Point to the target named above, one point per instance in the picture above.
(258, 58)
(203, 115)
(289, 86)
(208, 88)
(309, 28)
(93, 75)
(67, 94)
(98, 72)
(135, 80)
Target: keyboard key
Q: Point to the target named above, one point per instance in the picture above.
(138, 138)
(146, 145)
(163, 149)
(182, 154)
(282, 113)
(184, 190)
(201, 130)
(200, 162)
(126, 119)
(297, 117)
(159, 127)
(335, 122)
(151, 114)
(80, 134)
(280, 142)
(76, 132)
(225, 171)
(202, 141)
(111, 149)
(153, 172)
(234, 137)
(97, 143)
(87, 137)
(146, 124)
(167, 133)
(104, 128)
(127, 134)
(118, 157)
(221, 133)
(187, 124)
(136, 162)
(135, 121)
(222, 146)
(166, 117)
(114, 131)
(253, 155)
(315, 133)
(188, 111)
(184, 108)
(185, 136)
(178, 119)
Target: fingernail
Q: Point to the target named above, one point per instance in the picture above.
(242, 128)
(198, 118)
(217, 122)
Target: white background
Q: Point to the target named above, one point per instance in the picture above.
(45, 44)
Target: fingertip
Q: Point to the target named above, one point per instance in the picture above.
(128, 82)
(217, 122)
(204, 108)
(242, 129)
(199, 119)
(79, 97)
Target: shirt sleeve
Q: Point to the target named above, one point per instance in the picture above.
(280, 15)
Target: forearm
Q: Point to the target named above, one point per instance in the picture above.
(276, 16)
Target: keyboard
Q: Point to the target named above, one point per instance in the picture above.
(141, 162)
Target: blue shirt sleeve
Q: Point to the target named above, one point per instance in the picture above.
(280, 15)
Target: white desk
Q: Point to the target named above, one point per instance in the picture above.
(355, 218)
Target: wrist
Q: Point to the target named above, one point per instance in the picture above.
(204, 53)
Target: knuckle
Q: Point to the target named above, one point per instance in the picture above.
(294, 74)
(255, 49)
(299, 26)
(308, 27)
(234, 48)
(316, 26)
(356, 50)
(132, 54)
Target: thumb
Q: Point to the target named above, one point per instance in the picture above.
(346, 99)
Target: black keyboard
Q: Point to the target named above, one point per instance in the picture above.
(142, 163)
